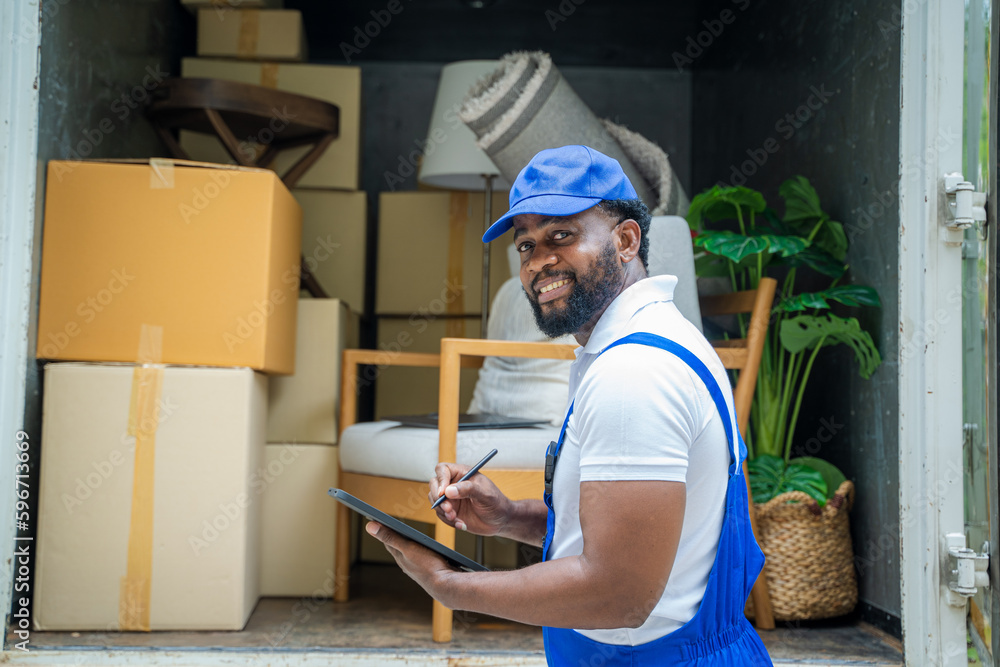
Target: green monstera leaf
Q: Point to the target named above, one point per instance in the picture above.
(720, 203)
(803, 213)
(807, 331)
(818, 260)
(801, 201)
(770, 477)
(736, 247)
(849, 295)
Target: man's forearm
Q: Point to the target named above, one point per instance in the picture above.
(565, 592)
(526, 522)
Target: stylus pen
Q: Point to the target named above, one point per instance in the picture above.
(466, 476)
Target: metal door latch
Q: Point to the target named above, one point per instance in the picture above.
(967, 571)
(967, 206)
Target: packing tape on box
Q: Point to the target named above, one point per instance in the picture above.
(161, 174)
(269, 75)
(249, 31)
(143, 420)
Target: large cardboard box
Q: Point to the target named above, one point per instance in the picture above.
(304, 407)
(204, 257)
(251, 34)
(299, 521)
(430, 252)
(148, 514)
(339, 167)
(401, 390)
(334, 241)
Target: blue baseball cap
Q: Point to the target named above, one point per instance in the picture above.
(563, 181)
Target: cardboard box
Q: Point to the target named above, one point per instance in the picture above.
(304, 407)
(403, 390)
(195, 447)
(194, 6)
(430, 252)
(299, 521)
(251, 34)
(203, 256)
(339, 167)
(334, 241)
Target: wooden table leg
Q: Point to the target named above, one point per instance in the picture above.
(302, 166)
(308, 282)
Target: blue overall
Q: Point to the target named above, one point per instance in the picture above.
(719, 633)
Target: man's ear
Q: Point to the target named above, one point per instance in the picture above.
(629, 236)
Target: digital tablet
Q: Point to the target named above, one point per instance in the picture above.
(467, 422)
(372, 514)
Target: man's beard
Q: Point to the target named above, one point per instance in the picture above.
(588, 294)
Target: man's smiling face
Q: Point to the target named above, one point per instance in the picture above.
(570, 268)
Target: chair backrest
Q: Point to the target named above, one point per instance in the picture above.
(671, 252)
(743, 354)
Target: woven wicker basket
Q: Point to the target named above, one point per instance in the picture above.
(810, 560)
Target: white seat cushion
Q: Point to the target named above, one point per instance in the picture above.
(388, 449)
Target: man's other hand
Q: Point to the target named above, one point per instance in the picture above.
(475, 505)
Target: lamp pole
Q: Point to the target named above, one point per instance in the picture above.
(488, 220)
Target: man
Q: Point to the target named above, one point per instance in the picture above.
(648, 553)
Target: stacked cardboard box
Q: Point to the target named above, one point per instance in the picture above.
(251, 34)
(297, 556)
(184, 274)
(429, 287)
(299, 518)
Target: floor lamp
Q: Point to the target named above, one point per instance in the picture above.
(453, 161)
(451, 158)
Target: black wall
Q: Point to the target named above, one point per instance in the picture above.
(775, 59)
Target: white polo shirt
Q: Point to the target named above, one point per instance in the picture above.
(643, 414)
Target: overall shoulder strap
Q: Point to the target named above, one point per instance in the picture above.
(737, 447)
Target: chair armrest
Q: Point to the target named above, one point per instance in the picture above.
(452, 352)
(480, 347)
(350, 361)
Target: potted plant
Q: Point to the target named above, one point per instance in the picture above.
(748, 241)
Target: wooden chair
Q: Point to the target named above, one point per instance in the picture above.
(744, 355)
(408, 499)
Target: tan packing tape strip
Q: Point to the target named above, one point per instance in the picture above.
(161, 173)
(143, 419)
(269, 75)
(458, 214)
(249, 32)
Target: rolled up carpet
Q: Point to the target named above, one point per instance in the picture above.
(525, 106)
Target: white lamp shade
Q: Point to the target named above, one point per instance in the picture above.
(451, 158)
